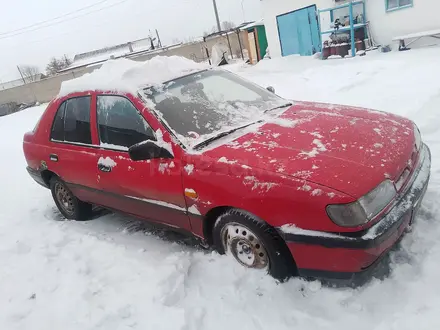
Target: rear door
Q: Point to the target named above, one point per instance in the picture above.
(149, 189)
(72, 154)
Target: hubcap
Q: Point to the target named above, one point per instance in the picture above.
(64, 197)
(245, 246)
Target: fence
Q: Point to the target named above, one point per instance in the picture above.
(46, 89)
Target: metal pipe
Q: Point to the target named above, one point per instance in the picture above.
(216, 15)
(353, 44)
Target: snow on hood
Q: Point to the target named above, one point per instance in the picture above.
(127, 76)
(334, 146)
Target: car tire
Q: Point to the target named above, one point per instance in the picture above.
(69, 206)
(253, 243)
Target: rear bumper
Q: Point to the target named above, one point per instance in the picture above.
(353, 256)
(36, 175)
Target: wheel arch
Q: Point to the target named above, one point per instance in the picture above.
(209, 221)
(47, 175)
(269, 230)
(214, 213)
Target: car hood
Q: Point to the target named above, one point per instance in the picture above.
(339, 147)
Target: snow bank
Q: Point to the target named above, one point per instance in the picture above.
(114, 273)
(127, 76)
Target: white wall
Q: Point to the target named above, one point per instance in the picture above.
(424, 15)
(11, 84)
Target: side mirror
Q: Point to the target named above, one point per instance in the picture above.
(270, 89)
(148, 150)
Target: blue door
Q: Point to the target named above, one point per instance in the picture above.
(299, 32)
(314, 29)
(288, 34)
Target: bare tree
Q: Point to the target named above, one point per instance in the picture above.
(213, 30)
(66, 61)
(55, 65)
(30, 73)
(228, 25)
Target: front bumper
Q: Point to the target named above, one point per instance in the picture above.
(348, 256)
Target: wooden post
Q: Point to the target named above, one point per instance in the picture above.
(239, 42)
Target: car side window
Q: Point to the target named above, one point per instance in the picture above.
(72, 121)
(57, 132)
(120, 123)
(77, 120)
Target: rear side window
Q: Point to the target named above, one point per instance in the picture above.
(120, 123)
(72, 121)
(58, 124)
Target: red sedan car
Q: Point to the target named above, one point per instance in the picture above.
(311, 189)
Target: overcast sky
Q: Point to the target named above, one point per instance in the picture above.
(107, 23)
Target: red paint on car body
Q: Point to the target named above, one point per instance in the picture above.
(283, 174)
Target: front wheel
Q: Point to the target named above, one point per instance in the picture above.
(70, 206)
(253, 243)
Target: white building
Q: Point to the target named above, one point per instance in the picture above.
(286, 20)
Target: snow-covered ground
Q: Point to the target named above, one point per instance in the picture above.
(112, 273)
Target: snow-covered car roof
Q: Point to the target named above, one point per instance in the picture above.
(128, 76)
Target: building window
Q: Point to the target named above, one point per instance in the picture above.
(398, 4)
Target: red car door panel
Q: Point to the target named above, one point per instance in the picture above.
(76, 165)
(149, 189)
(72, 155)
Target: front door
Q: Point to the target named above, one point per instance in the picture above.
(149, 189)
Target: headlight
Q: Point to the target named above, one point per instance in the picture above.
(365, 208)
(417, 137)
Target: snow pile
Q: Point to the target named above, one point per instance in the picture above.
(163, 167)
(127, 76)
(160, 142)
(226, 161)
(113, 146)
(189, 168)
(107, 161)
(263, 186)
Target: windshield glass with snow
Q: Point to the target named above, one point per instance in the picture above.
(210, 101)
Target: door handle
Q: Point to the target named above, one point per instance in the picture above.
(53, 157)
(104, 168)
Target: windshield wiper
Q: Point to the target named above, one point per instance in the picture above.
(222, 134)
(279, 107)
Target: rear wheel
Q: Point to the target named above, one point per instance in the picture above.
(69, 206)
(253, 243)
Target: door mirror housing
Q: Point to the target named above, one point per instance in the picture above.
(270, 89)
(148, 150)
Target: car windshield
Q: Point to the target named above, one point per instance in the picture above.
(210, 101)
